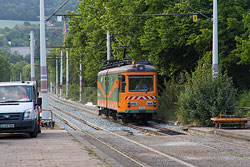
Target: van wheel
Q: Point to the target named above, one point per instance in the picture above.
(35, 132)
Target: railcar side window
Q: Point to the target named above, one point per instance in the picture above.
(141, 83)
(123, 84)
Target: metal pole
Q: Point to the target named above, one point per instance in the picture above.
(67, 72)
(56, 75)
(44, 86)
(215, 39)
(80, 80)
(108, 45)
(61, 75)
(64, 32)
(51, 84)
(32, 55)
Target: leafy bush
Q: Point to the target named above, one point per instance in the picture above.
(167, 100)
(205, 96)
(89, 94)
(74, 92)
(243, 109)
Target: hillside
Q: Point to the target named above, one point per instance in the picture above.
(21, 12)
(28, 10)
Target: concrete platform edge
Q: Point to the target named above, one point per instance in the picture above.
(231, 135)
(202, 131)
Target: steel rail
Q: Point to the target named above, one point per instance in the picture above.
(76, 106)
(168, 129)
(77, 118)
(148, 131)
(132, 141)
(66, 121)
(94, 137)
(208, 146)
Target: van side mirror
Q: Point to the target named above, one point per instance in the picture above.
(39, 101)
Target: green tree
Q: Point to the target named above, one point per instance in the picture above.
(4, 68)
(17, 9)
(205, 96)
(17, 70)
(26, 73)
(173, 43)
(243, 109)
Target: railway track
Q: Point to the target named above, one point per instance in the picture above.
(147, 131)
(77, 118)
(154, 129)
(75, 105)
(183, 163)
(202, 141)
(68, 123)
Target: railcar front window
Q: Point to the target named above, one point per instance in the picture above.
(15, 94)
(141, 83)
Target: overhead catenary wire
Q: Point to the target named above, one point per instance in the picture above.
(153, 15)
(175, 14)
(60, 7)
(124, 46)
(194, 10)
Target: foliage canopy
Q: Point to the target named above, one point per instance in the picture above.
(173, 43)
(5, 68)
(205, 97)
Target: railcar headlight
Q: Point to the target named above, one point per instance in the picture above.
(149, 103)
(128, 104)
(29, 114)
(154, 103)
(133, 103)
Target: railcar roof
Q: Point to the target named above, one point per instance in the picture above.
(128, 68)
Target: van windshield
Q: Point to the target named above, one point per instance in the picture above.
(17, 93)
(141, 83)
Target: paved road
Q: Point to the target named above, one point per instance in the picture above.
(50, 148)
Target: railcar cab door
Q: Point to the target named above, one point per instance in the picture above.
(122, 82)
(106, 90)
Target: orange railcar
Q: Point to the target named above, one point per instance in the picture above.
(128, 90)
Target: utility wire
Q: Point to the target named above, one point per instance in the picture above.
(181, 14)
(124, 46)
(195, 10)
(152, 15)
(60, 7)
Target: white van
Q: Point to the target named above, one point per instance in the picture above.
(19, 108)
